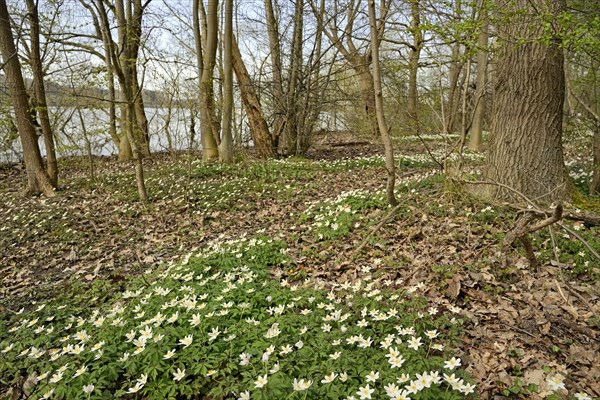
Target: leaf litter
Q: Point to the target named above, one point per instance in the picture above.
(523, 326)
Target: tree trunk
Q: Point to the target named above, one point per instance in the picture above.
(40, 93)
(209, 130)
(226, 145)
(258, 125)
(365, 83)
(37, 177)
(278, 93)
(526, 149)
(293, 124)
(413, 67)
(595, 184)
(382, 124)
(475, 139)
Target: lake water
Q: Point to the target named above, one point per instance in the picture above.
(70, 139)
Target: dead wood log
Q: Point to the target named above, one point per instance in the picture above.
(524, 226)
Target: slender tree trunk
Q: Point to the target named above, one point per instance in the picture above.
(413, 67)
(40, 92)
(475, 139)
(37, 177)
(382, 124)
(456, 66)
(595, 183)
(278, 92)
(209, 130)
(293, 123)
(258, 125)
(226, 145)
(526, 149)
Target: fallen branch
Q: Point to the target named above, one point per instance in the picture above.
(374, 230)
(590, 219)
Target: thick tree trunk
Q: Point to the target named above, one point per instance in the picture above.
(365, 83)
(526, 149)
(37, 177)
(258, 125)
(40, 93)
(475, 139)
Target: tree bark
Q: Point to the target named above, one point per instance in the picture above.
(37, 177)
(475, 139)
(40, 93)
(526, 149)
(209, 128)
(275, 53)
(293, 123)
(258, 125)
(413, 67)
(226, 145)
(382, 124)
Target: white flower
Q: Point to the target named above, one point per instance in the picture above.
(329, 378)
(56, 377)
(244, 396)
(213, 334)
(343, 376)
(135, 388)
(396, 362)
(556, 382)
(365, 392)
(335, 355)
(245, 359)
(468, 388)
(48, 394)
(301, 384)
(179, 374)
(372, 376)
(88, 388)
(286, 349)
(80, 371)
(452, 363)
(582, 396)
(415, 343)
(186, 341)
(169, 354)
(261, 381)
(392, 390)
(275, 368)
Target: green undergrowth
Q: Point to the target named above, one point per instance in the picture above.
(217, 325)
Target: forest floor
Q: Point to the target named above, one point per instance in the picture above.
(523, 324)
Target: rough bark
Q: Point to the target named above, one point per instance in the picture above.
(41, 106)
(37, 177)
(258, 125)
(526, 149)
(382, 124)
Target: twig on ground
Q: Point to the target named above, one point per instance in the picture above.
(374, 230)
